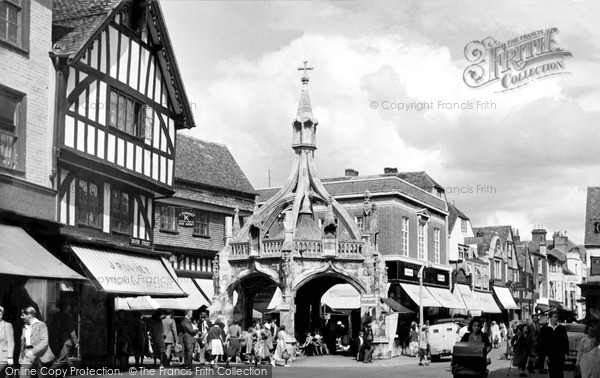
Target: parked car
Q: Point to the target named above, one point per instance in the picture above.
(575, 333)
(442, 337)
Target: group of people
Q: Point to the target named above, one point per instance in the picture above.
(211, 342)
(314, 344)
(40, 344)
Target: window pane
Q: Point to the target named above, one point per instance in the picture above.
(12, 33)
(114, 108)
(121, 113)
(13, 15)
(3, 26)
(129, 122)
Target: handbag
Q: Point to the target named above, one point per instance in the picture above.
(285, 355)
(178, 348)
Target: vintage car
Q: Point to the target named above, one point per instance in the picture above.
(442, 338)
(575, 333)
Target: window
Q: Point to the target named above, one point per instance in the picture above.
(421, 242)
(88, 199)
(12, 129)
(515, 277)
(478, 277)
(509, 249)
(120, 210)
(404, 237)
(497, 269)
(14, 23)
(201, 224)
(168, 218)
(130, 116)
(486, 278)
(436, 245)
(359, 222)
(463, 225)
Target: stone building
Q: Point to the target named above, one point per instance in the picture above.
(590, 288)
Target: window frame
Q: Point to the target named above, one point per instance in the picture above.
(497, 269)
(18, 130)
(165, 211)
(129, 215)
(436, 246)
(197, 216)
(23, 26)
(143, 121)
(359, 222)
(78, 202)
(405, 236)
(463, 225)
(421, 246)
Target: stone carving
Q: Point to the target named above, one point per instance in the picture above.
(215, 276)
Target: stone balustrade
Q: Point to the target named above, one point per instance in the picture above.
(302, 248)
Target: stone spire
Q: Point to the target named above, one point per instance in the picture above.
(305, 125)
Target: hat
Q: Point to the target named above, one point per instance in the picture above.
(267, 326)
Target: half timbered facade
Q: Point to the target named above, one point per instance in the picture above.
(119, 102)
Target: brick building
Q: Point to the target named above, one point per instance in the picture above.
(209, 186)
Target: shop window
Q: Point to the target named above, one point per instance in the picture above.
(14, 23)
(120, 212)
(89, 203)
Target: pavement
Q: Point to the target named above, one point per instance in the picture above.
(345, 367)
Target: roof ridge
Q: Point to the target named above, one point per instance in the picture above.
(202, 140)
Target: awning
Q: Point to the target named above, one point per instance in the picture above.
(127, 273)
(193, 301)
(466, 294)
(207, 288)
(23, 256)
(341, 296)
(413, 293)
(487, 303)
(268, 300)
(396, 306)
(505, 298)
(445, 297)
(542, 307)
(144, 303)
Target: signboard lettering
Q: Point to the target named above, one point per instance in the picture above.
(408, 272)
(441, 278)
(186, 218)
(368, 300)
(140, 243)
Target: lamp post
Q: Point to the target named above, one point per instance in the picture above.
(420, 275)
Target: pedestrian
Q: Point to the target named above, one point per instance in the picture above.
(589, 362)
(138, 341)
(122, 329)
(156, 336)
(503, 337)
(7, 343)
(215, 338)
(555, 342)
(360, 347)
(189, 342)
(234, 334)
(318, 343)
(423, 344)
(522, 345)
(368, 334)
(281, 349)
(61, 330)
(203, 327)
(476, 335)
(495, 334)
(35, 350)
(170, 337)
(413, 340)
(540, 349)
(249, 345)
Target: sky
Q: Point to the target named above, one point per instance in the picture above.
(522, 157)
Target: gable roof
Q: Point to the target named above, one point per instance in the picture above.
(419, 179)
(489, 231)
(209, 164)
(77, 23)
(454, 213)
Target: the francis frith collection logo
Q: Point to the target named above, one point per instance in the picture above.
(514, 63)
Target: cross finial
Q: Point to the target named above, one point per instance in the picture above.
(305, 78)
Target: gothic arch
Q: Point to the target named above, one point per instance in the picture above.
(255, 268)
(327, 269)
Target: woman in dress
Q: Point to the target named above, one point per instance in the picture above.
(475, 335)
(589, 360)
(215, 338)
(281, 345)
(495, 334)
(522, 344)
(413, 340)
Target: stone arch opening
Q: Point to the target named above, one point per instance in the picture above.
(311, 315)
(252, 296)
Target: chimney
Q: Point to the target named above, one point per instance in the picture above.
(538, 235)
(351, 172)
(560, 239)
(516, 237)
(388, 170)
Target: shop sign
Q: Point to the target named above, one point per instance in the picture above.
(441, 278)
(140, 243)
(409, 272)
(186, 218)
(368, 300)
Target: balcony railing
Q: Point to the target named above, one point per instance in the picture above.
(302, 248)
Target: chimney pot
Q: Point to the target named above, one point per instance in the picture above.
(349, 172)
(390, 170)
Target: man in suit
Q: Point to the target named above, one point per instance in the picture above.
(170, 337)
(34, 344)
(7, 344)
(555, 342)
(189, 342)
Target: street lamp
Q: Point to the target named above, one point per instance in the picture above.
(420, 275)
